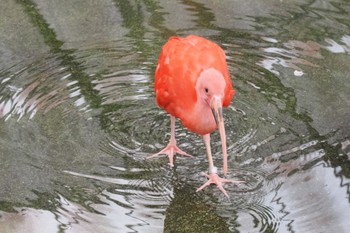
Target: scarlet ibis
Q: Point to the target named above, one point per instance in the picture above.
(192, 83)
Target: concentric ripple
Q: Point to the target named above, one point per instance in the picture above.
(39, 86)
(78, 118)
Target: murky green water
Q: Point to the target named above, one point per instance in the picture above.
(78, 117)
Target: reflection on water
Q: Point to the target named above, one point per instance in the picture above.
(38, 87)
(334, 47)
(291, 56)
(78, 118)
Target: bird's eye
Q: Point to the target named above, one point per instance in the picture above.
(206, 90)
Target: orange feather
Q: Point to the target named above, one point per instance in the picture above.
(180, 63)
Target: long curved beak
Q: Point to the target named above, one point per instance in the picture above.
(216, 107)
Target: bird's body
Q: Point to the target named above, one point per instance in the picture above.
(192, 83)
(179, 66)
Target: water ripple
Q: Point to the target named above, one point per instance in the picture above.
(113, 86)
(131, 200)
(45, 86)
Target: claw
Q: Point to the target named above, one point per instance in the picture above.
(170, 150)
(215, 179)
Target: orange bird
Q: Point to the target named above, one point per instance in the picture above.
(192, 83)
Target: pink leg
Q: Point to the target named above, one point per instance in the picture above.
(212, 176)
(171, 149)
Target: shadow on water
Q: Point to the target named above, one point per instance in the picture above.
(79, 118)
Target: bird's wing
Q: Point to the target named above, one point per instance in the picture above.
(174, 78)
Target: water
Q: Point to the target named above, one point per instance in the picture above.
(78, 118)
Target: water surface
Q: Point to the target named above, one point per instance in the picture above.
(78, 117)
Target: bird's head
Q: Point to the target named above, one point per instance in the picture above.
(210, 88)
(210, 85)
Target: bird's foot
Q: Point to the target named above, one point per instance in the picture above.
(170, 150)
(215, 179)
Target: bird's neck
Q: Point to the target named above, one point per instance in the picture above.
(202, 120)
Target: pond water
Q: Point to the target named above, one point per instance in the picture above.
(78, 117)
